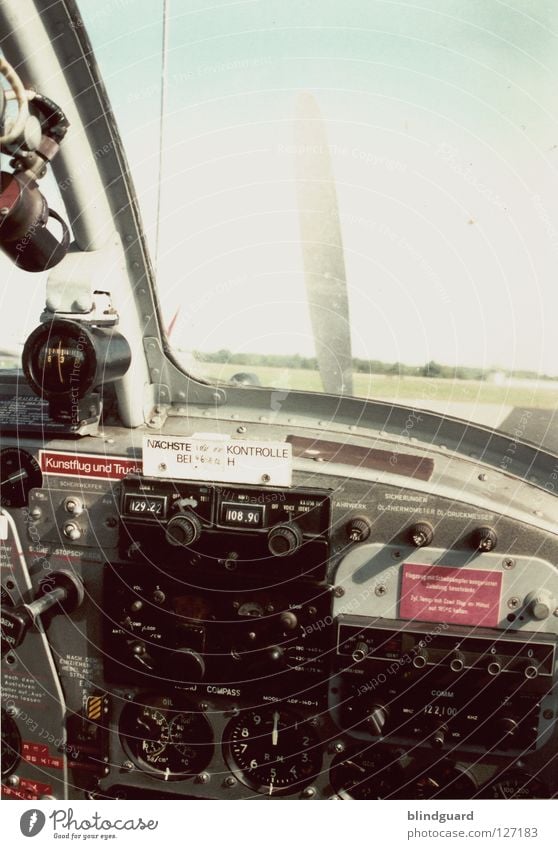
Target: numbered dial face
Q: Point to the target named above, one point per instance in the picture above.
(165, 739)
(272, 750)
(516, 785)
(366, 774)
(11, 745)
(19, 473)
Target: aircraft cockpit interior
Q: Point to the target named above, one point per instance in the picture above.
(278, 394)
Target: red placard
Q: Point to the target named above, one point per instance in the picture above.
(98, 466)
(450, 594)
(27, 789)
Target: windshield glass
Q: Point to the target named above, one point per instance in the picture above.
(366, 179)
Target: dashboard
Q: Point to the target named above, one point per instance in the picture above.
(363, 633)
(221, 591)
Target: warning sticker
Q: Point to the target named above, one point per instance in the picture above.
(228, 460)
(98, 466)
(450, 594)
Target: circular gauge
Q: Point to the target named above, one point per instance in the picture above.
(367, 774)
(166, 739)
(443, 781)
(19, 473)
(515, 785)
(65, 359)
(272, 750)
(11, 745)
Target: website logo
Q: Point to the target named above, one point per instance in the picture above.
(32, 822)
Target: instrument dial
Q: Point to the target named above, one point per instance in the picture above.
(11, 745)
(166, 739)
(19, 474)
(272, 750)
(516, 785)
(366, 774)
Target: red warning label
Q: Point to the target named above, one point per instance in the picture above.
(95, 466)
(450, 594)
(27, 789)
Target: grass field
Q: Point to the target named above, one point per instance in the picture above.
(412, 391)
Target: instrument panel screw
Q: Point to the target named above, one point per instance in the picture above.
(547, 714)
(229, 781)
(162, 467)
(127, 766)
(12, 780)
(204, 778)
(339, 747)
(508, 563)
(308, 792)
(36, 513)
(338, 592)
(241, 429)
(266, 478)
(12, 711)
(556, 612)
(380, 590)
(204, 706)
(513, 602)
(159, 597)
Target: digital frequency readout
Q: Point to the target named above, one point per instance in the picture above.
(242, 515)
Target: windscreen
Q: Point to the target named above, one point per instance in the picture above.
(357, 197)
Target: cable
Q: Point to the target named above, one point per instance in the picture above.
(22, 101)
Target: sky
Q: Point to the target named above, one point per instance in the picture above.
(441, 118)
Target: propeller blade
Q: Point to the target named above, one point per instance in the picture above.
(322, 248)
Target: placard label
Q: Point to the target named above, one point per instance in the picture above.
(99, 466)
(448, 594)
(207, 459)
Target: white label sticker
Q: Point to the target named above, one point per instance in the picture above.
(3, 527)
(227, 460)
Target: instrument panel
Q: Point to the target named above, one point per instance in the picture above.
(336, 639)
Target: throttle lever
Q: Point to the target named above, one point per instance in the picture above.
(65, 589)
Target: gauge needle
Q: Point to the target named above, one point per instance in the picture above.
(60, 361)
(17, 476)
(275, 732)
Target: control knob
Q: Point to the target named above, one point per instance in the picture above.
(421, 534)
(540, 604)
(358, 529)
(184, 529)
(377, 719)
(284, 539)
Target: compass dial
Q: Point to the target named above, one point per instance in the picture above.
(272, 750)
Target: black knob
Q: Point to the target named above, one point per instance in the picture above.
(284, 539)
(485, 539)
(505, 730)
(439, 737)
(190, 665)
(358, 529)
(421, 534)
(377, 719)
(183, 529)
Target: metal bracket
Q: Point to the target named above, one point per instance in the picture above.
(181, 388)
(73, 287)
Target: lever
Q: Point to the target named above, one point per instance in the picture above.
(65, 589)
